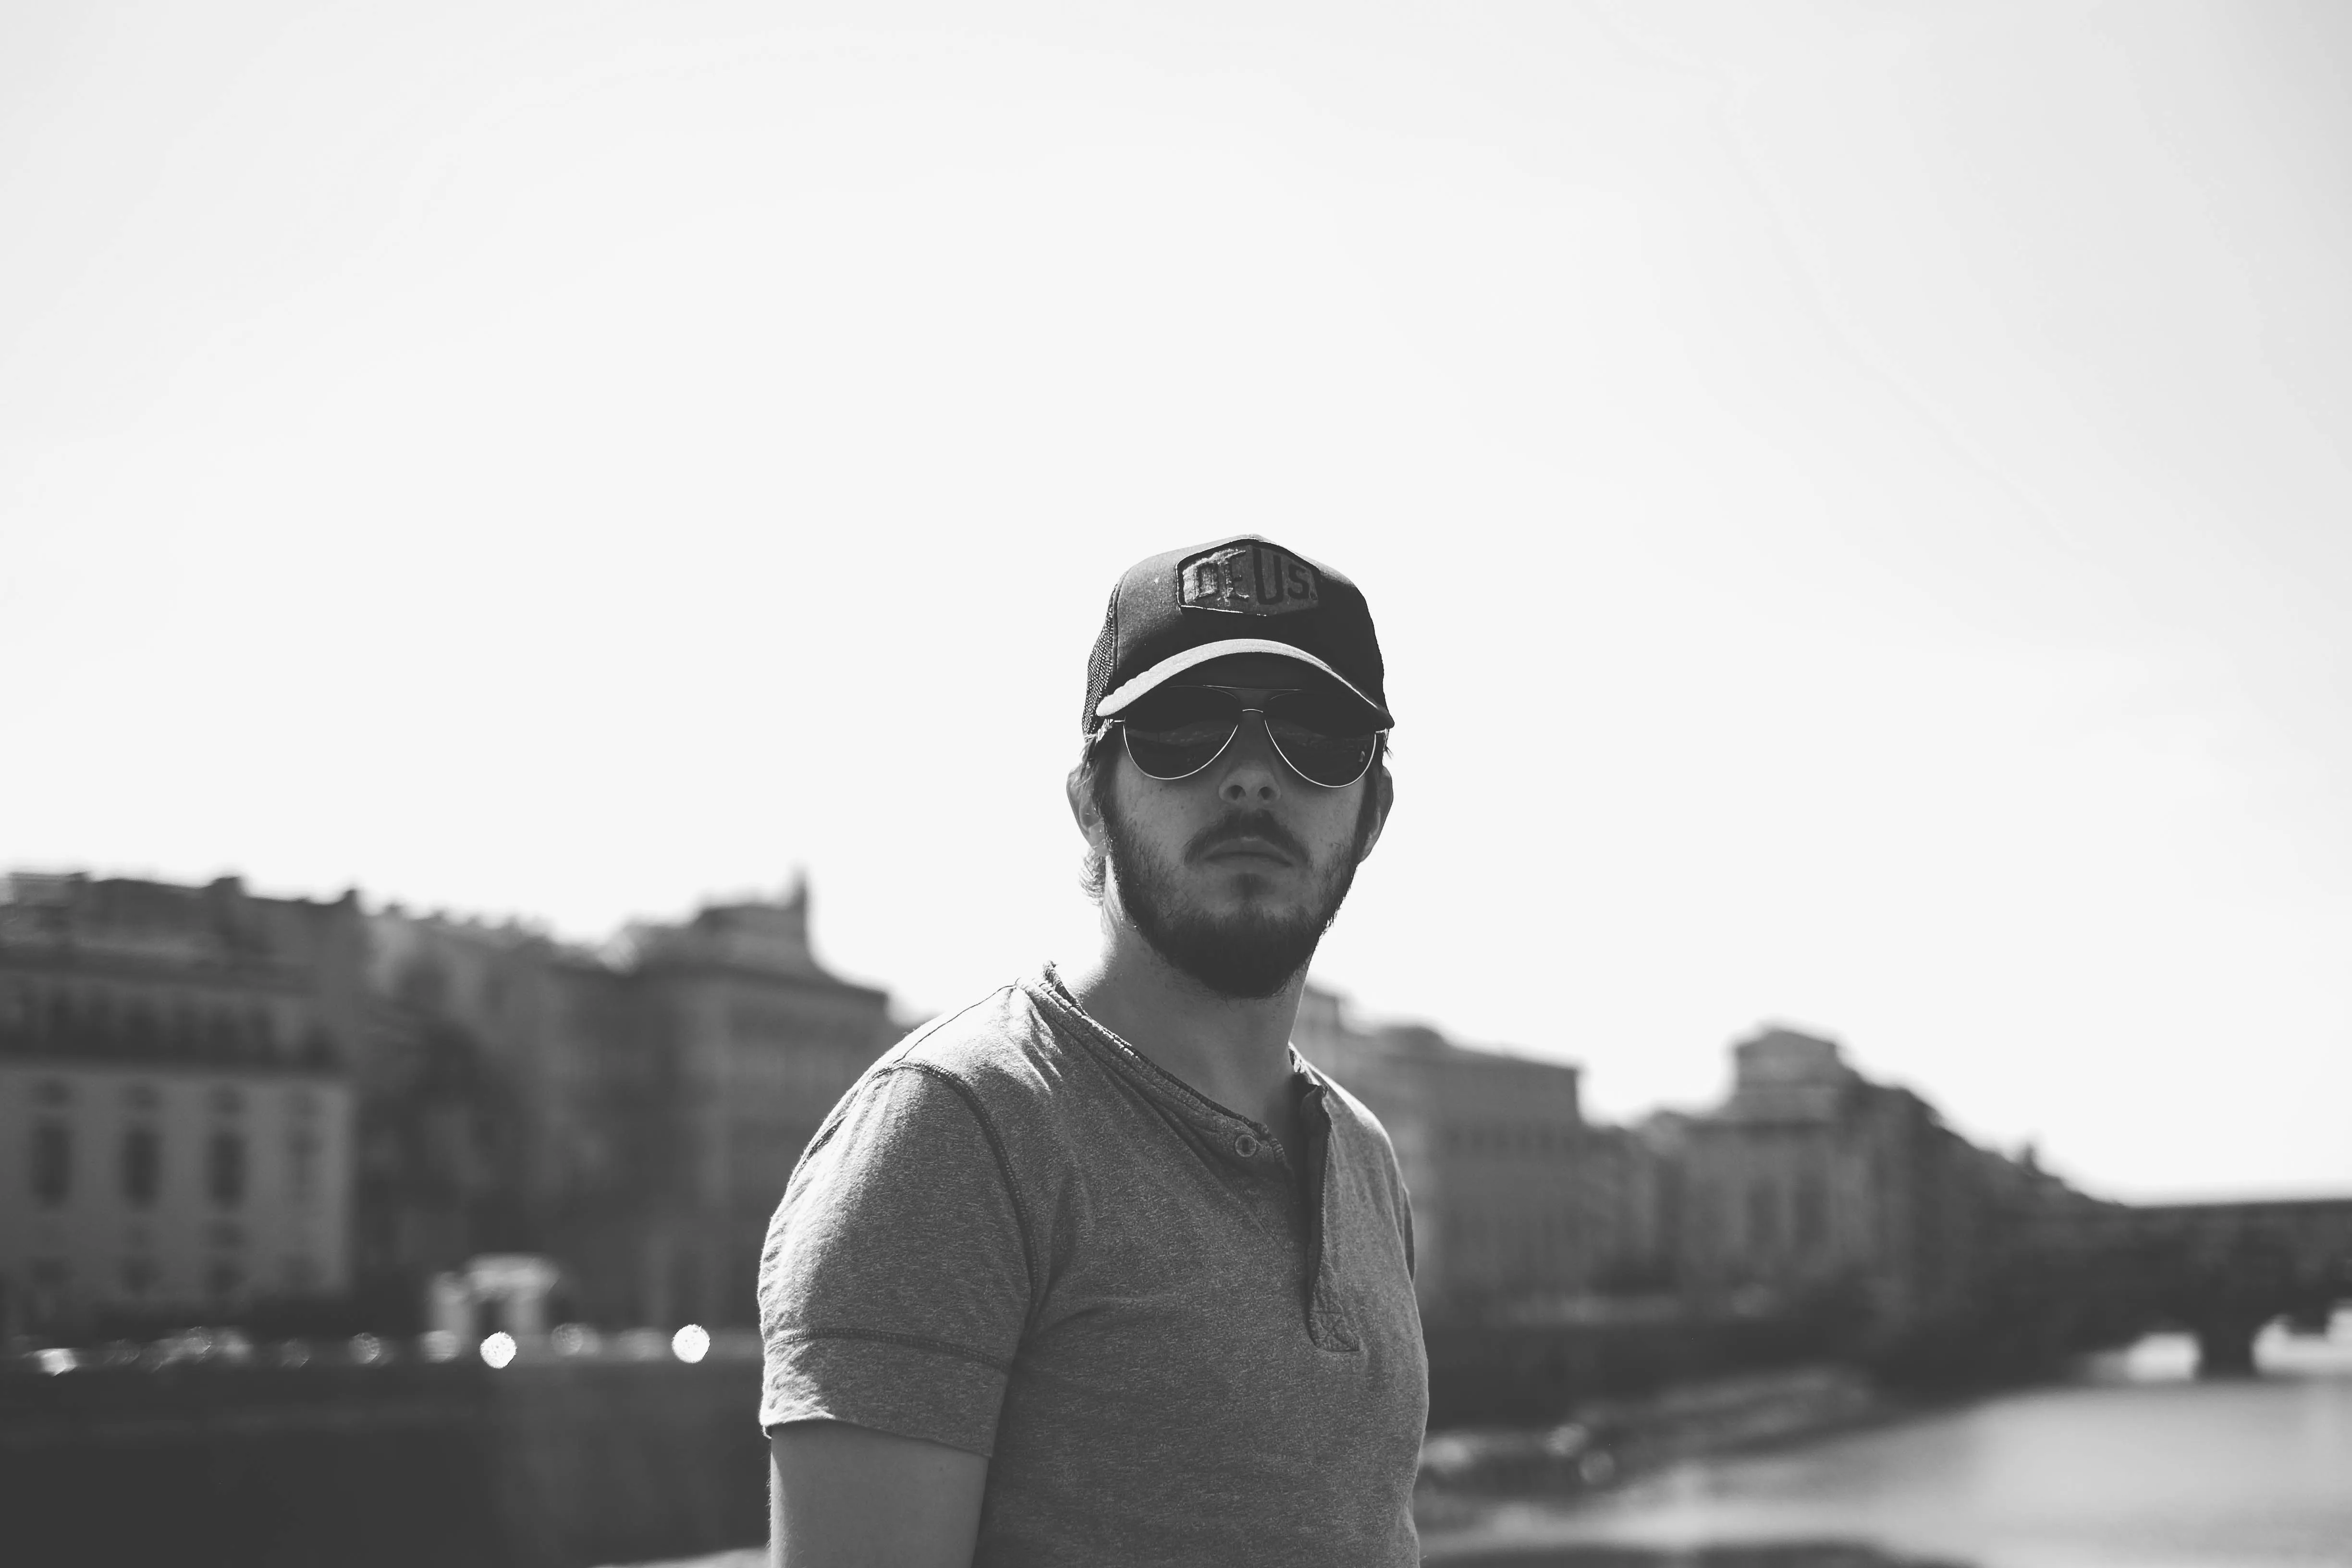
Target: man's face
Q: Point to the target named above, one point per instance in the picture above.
(1234, 874)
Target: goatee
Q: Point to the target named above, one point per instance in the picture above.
(1251, 954)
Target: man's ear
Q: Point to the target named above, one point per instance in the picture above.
(1384, 798)
(1079, 790)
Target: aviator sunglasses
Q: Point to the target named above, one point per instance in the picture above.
(1176, 731)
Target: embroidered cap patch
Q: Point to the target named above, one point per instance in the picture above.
(1251, 579)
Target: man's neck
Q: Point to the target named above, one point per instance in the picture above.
(1234, 1050)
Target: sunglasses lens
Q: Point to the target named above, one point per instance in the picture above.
(1178, 731)
(1324, 738)
(1331, 761)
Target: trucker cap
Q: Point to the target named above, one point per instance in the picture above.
(1177, 611)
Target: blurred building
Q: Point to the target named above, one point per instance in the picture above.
(211, 1101)
(1636, 1178)
(1809, 1189)
(1809, 1178)
(1515, 1197)
(758, 1043)
(175, 1109)
(633, 1112)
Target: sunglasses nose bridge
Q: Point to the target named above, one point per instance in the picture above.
(1254, 742)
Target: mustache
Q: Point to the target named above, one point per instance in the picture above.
(1246, 824)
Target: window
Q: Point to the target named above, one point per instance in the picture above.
(221, 1041)
(143, 1166)
(1705, 1216)
(98, 1025)
(224, 1169)
(52, 1162)
(1763, 1217)
(228, 1101)
(1813, 1214)
(224, 1279)
(302, 1164)
(138, 1276)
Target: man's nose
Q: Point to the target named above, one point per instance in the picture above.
(1253, 772)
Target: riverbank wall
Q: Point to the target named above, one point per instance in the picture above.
(543, 1464)
(1467, 1472)
(1531, 1372)
(569, 1461)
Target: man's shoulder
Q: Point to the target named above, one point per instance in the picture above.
(972, 1073)
(1347, 1111)
(999, 1049)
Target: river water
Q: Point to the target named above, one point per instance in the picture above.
(2133, 1464)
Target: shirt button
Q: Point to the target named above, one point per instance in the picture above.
(1245, 1146)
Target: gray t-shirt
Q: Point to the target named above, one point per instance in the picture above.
(1018, 1236)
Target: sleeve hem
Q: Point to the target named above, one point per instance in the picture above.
(884, 1337)
(904, 1385)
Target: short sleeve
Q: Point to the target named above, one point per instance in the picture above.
(896, 1279)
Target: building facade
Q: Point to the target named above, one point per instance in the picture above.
(210, 1101)
(1810, 1180)
(758, 1043)
(175, 1104)
(1513, 1192)
(1808, 1189)
(635, 1112)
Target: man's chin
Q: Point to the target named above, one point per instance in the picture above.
(1245, 976)
(1241, 928)
(1247, 956)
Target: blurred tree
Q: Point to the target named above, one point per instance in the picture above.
(438, 1149)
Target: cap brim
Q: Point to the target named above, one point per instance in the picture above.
(1117, 701)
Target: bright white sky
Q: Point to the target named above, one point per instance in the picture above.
(1856, 497)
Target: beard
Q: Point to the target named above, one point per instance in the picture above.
(1251, 954)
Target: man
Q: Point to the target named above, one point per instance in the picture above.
(1097, 1270)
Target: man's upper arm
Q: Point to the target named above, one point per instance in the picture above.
(849, 1497)
(893, 1294)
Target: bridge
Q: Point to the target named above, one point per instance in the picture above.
(2224, 1270)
